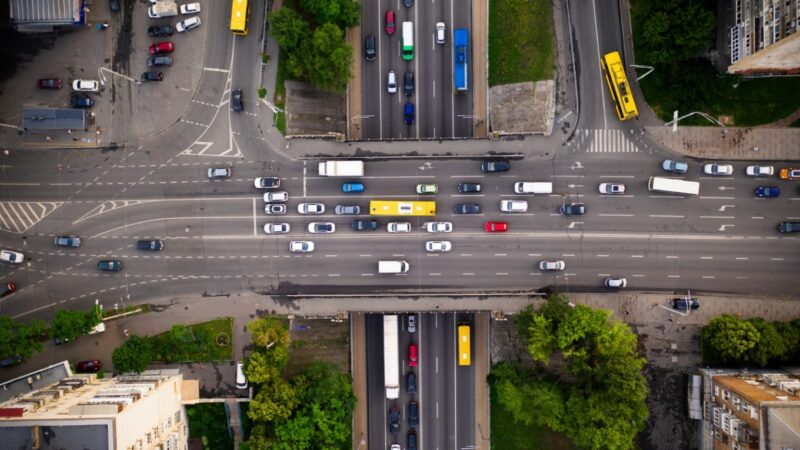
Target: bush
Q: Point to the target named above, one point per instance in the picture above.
(262, 92)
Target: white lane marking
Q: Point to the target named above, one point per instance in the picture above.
(666, 216)
(718, 217)
(616, 215)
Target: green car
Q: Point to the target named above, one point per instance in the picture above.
(427, 189)
(110, 266)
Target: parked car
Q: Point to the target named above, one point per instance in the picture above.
(412, 355)
(310, 208)
(411, 383)
(411, 437)
(157, 48)
(389, 22)
(276, 197)
(110, 266)
(429, 188)
(391, 82)
(413, 414)
(275, 208)
(352, 187)
(10, 360)
(48, 83)
(188, 24)
(573, 209)
(398, 227)
(277, 228)
(615, 283)
(467, 208)
(768, 191)
(440, 32)
(267, 182)
(789, 227)
(438, 246)
(151, 245)
(495, 165)
(78, 100)
(301, 246)
(11, 256)
(408, 113)
(321, 227)
(393, 419)
(412, 323)
(365, 225)
(152, 76)
(788, 173)
(495, 227)
(674, 166)
(7, 289)
(190, 8)
(759, 171)
(369, 48)
(408, 83)
(159, 61)
(219, 172)
(685, 304)
(347, 210)
(160, 31)
(611, 188)
(469, 188)
(92, 365)
(438, 227)
(241, 378)
(85, 86)
(717, 169)
(236, 100)
(67, 241)
(548, 265)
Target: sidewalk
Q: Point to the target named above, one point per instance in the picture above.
(730, 143)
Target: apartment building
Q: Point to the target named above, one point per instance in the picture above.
(764, 37)
(750, 411)
(54, 408)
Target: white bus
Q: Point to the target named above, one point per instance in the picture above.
(408, 41)
(673, 186)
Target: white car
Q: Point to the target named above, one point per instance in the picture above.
(275, 208)
(85, 86)
(188, 24)
(611, 188)
(518, 206)
(277, 228)
(11, 256)
(310, 208)
(219, 172)
(438, 227)
(398, 227)
(391, 82)
(760, 171)
(301, 246)
(190, 8)
(267, 182)
(440, 29)
(438, 246)
(718, 169)
(321, 227)
(277, 196)
(552, 265)
(615, 283)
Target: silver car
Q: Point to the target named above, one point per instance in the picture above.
(273, 197)
(219, 172)
(552, 265)
(275, 208)
(438, 246)
(321, 227)
(277, 228)
(310, 208)
(438, 227)
(398, 227)
(348, 210)
(615, 283)
(301, 246)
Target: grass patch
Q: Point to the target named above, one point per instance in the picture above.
(521, 41)
(201, 342)
(510, 435)
(207, 421)
(279, 99)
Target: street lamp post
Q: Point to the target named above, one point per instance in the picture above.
(102, 77)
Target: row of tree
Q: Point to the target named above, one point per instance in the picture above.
(309, 411)
(588, 381)
(22, 339)
(312, 40)
(752, 342)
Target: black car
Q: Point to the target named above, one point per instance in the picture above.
(110, 266)
(411, 440)
(467, 208)
(114, 5)
(7, 288)
(80, 101)
(152, 76)
(160, 31)
(365, 225)
(236, 100)
(495, 165)
(155, 245)
(413, 414)
(789, 227)
(469, 188)
(369, 48)
(394, 419)
(10, 360)
(685, 304)
(408, 87)
(159, 60)
(411, 383)
(573, 209)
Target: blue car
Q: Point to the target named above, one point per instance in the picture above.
(352, 187)
(768, 191)
(408, 113)
(674, 166)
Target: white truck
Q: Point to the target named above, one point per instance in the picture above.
(341, 169)
(391, 357)
(162, 9)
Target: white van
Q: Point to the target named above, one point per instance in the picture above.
(530, 187)
(99, 328)
(241, 380)
(517, 206)
(393, 266)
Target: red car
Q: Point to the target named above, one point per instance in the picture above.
(412, 355)
(496, 227)
(7, 288)
(161, 47)
(49, 83)
(390, 22)
(92, 365)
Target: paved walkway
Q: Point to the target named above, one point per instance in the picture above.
(730, 143)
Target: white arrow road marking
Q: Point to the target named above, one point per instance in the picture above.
(577, 165)
(572, 224)
(427, 165)
(722, 227)
(726, 188)
(722, 208)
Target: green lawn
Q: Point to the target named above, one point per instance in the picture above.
(521, 41)
(199, 344)
(279, 99)
(510, 435)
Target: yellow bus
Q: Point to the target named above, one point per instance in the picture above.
(464, 354)
(402, 208)
(618, 85)
(240, 13)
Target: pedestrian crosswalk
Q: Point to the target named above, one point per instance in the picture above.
(18, 217)
(605, 141)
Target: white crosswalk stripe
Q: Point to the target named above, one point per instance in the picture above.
(607, 141)
(18, 217)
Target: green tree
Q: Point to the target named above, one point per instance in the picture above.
(259, 368)
(132, 356)
(209, 422)
(68, 325)
(269, 333)
(276, 399)
(18, 338)
(329, 58)
(675, 30)
(289, 29)
(790, 332)
(541, 338)
(727, 338)
(770, 347)
(343, 13)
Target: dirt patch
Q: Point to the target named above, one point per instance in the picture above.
(318, 340)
